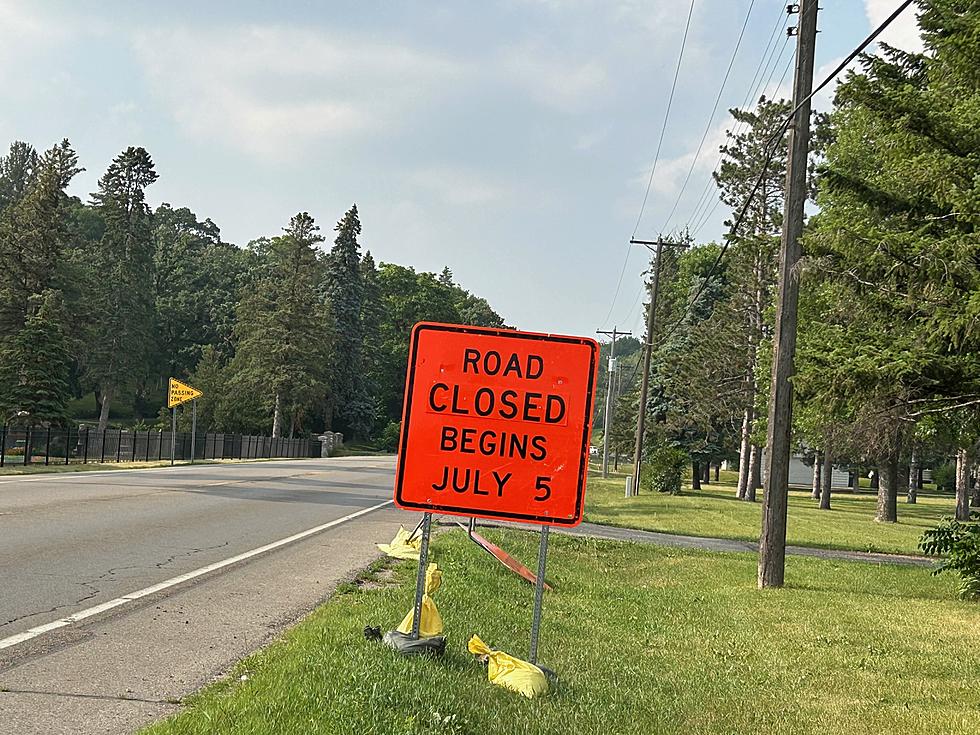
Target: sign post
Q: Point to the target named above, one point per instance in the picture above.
(178, 393)
(193, 429)
(173, 433)
(496, 424)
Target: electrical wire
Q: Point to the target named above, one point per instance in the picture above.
(751, 94)
(711, 116)
(656, 158)
(696, 224)
(663, 129)
(772, 143)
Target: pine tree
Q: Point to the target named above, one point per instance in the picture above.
(351, 404)
(34, 366)
(34, 233)
(284, 336)
(121, 307)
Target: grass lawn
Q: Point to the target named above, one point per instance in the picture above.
(645, 640)
(714, 511)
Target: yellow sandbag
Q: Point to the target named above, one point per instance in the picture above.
(402, 546)
(430, 623)
(510, 673)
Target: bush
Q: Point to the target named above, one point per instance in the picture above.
(388, 441)
(945, 476)
(664, 470)
(959, 542)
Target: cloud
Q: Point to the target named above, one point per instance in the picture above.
(588, 140)
(455, 186)
(23, 31)
(273, 91)
(553, 79)
(903, 33)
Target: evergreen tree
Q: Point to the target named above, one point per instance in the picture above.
(34, 232)
(34, 366)
(17, 172)
(280, 369)
(351, 407)
(121, 306)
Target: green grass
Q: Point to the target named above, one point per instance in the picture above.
(645, 640)
(715, 511)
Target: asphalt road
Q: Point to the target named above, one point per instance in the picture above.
(85, 543)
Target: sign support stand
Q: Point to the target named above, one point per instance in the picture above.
(193, 429)
(173, 433)
(420, 576)
(538, 594)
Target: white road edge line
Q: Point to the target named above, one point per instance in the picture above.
(153, 589)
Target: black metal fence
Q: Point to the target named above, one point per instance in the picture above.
(26, 445)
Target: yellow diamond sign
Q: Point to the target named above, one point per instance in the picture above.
(180, 393)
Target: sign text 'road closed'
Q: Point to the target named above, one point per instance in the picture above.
(496, 424)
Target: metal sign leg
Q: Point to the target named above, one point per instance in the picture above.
(193, 430)
(538, 594)
(420, 577)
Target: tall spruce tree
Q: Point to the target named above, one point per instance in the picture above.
(121, 313)
(284, 337)
(352, 408)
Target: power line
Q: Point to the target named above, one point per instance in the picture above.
(656, 158)
(711, 115)
(751, 94)
(706, 213)
(773, 144)
(670, 100)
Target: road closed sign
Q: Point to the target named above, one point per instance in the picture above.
(496, 424)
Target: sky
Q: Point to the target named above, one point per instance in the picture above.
(511, 140)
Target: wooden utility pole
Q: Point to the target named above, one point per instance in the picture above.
(641, 413)
(772, 542)
(607, 420)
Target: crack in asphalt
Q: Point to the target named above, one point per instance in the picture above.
(94, 590)
(77, 695)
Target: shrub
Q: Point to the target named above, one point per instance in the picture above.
(388, 441)
(664, 470)
(959, 543)
(944, 476)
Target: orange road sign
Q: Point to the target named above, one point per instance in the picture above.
(179, 393)
(496, 424)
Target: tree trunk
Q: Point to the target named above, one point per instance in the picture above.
(745, 449)
(755, 473)
(826, 479)
(913, 492)
(706, 472)
(277, 419)
(876, 478)
(718, 472)
(817, 468)
(855, 482)
(695, 475)
(107, 392)
(975, 493)
(888, 489)
(962, 484)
